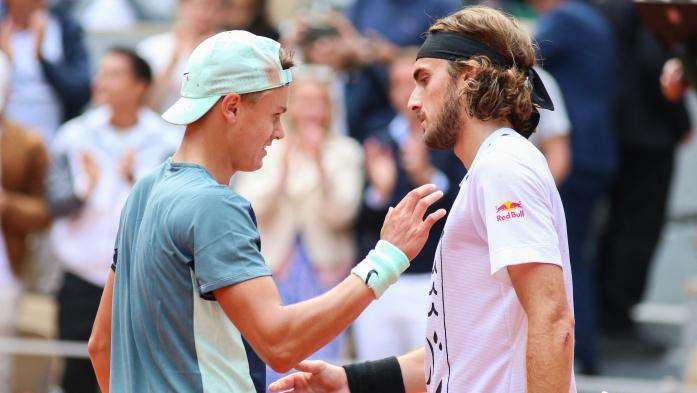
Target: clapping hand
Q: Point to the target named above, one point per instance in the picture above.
(38, 22)
(416, 160)
(381, 168)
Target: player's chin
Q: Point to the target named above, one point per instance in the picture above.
(258, 164)
(251, 166)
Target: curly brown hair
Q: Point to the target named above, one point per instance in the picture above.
(491, 91)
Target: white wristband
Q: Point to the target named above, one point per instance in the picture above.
(382, 267)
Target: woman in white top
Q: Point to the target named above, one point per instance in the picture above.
(306, 197)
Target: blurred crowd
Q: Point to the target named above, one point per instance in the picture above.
(76, 132)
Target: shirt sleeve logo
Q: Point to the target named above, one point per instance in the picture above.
(509, 210)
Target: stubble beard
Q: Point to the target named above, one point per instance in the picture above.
(443, 134)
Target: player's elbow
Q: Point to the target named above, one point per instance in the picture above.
(555, 320)
(98, 344)
(281, 361)
(280, 365)
(567, 327)
(563, 324)
(279, 352)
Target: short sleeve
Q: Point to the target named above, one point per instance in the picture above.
(119, 236)
(515, 203)
(226, 244)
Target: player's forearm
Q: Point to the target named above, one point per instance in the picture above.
(308, 326)
(412, 365)
(550, 352)
(99, 345)
(101, 363)
(99, 348)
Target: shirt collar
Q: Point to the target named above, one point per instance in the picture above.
(485, 145)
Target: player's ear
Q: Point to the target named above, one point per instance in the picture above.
(229, 106)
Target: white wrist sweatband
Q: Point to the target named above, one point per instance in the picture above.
(382, 267)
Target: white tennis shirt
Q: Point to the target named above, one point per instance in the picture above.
(507, 212)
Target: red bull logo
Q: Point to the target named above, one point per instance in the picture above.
(509, 210)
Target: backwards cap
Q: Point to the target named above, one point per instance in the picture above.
(229, 62)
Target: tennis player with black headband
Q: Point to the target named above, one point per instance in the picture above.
(500, 315)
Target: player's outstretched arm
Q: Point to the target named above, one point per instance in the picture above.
(316, 376)
(284, 335)
(99, 345)
(550, 349)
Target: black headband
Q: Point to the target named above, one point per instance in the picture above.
(454, 46)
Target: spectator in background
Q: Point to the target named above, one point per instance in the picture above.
(100, 15)
(552, 134)
(397, 160)
(388, 22)
(160, 10)
(332, 41)
(249, 15)
(674, 83)
(168, 52)
(649, 130)
(577, 47)
(96, 159)
(23, 209)
(107, 15)
(306, 197)
(50, 82)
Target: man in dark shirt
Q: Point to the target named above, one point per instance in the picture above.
(649, 128)
(577, 48)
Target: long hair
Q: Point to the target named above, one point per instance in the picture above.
(491, 91)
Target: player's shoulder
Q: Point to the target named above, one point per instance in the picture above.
(511, 147)
(511, 156)
(214, 198)
(146, 183)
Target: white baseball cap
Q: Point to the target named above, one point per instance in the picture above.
(229, 62)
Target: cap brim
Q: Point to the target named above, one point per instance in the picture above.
(188, 110)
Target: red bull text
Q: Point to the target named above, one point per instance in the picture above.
(509, 210)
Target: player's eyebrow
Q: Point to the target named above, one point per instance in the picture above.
(418, 71)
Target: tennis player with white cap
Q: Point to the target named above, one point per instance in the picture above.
(190, 305)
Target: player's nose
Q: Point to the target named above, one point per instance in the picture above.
(414, 103)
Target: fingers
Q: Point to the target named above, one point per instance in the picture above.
(311, 366)
(281, 384)
(298, 380)
(389, 213)
(423, 204)
(410, 200)
(286, 383)
(433, 218)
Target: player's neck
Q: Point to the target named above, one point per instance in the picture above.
(473, 135)
(194, 149)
